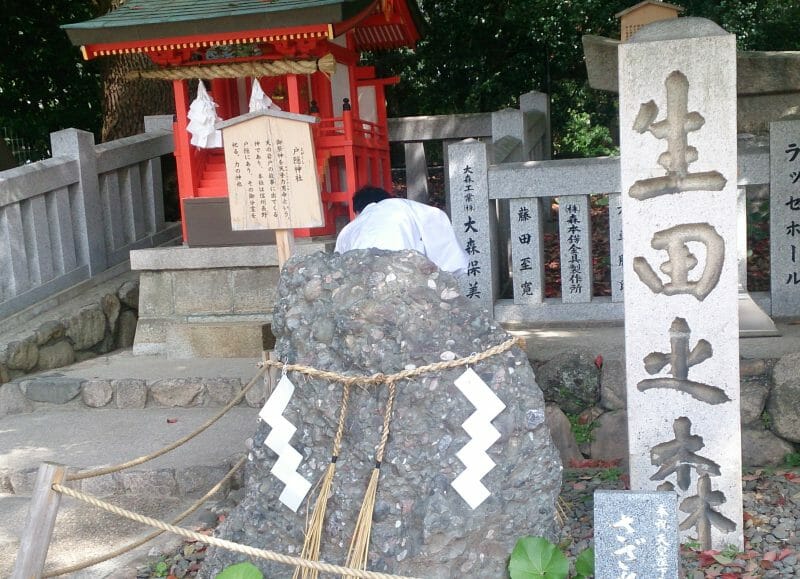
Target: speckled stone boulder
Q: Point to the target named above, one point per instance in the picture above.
(371, 311)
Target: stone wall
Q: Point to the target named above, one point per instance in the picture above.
(107, 324)
(770, 397)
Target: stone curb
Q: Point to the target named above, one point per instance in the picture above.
(22, 395)
(189, 482)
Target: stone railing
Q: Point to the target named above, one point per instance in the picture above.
(532, 119)
(529, 186)
(69, 218)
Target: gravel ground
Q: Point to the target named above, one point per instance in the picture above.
(772, 511)
(772, 516)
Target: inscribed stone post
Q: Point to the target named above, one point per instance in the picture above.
(416, 172)
(636, 534)
(574, 229)
(472, 222)
(527, 250)
(784, 217)
(679, 172)
(615, 243)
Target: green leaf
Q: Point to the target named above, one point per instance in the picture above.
(241, 571)
(584, 564)
(537, 558)
(722, 559)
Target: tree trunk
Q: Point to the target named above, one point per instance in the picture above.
(127, 101)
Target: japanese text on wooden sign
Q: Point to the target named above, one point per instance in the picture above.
(271, 172)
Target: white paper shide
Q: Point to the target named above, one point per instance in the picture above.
(482, 436)
(285, 467)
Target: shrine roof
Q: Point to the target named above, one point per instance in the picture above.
(138, 21)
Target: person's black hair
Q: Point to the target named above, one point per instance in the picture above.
(367, 195)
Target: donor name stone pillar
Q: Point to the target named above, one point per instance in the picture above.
(677, 82)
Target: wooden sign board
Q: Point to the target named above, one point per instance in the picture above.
(271, 171)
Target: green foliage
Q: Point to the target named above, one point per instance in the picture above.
(584, 564)
(479, 56)
(535, 557)
(244, 570)
(758, 219)
(582, 432)
(792, 459)
(693, 545)
(582, 139)
(610, 474)
(161, 569)
(476, 56)
(727, 555)
(766, 420)
(45, 85)
(538, 558)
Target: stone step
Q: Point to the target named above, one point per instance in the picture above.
(231, 337)
(122, 381)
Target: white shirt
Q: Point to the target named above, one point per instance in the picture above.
(397, 224)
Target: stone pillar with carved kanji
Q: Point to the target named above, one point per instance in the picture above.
(678, 172)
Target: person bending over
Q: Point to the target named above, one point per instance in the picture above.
(386, 222)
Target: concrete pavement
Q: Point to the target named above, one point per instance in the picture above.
(81, 437)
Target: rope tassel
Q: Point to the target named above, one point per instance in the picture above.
(359, 545)
(316, 523)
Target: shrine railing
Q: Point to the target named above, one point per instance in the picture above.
(336, 131)
(76, 215)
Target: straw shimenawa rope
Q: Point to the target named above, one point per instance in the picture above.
(222, 543)
(258, 68)
(359, 545)
(149, 537)
(379, 378)
(142, 459)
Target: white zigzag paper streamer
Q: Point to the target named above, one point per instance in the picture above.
(482, 436)
(285, 467)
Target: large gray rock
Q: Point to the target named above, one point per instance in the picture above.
(220, 391)
(787, 368)
(129, 294)
(371, 311)
(183, 392)
(610, 437)
(53, 389)
(87, 327)
(613, 389)
(129, 393)
(22, 355)
(563, 438)
(782, 405)
(753, 394)
(762, 448)
(126, 330)
(12, 400)
(570, 380)
(96, 393)
(56, 355)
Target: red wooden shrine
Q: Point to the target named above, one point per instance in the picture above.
(318, 47)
